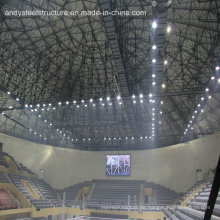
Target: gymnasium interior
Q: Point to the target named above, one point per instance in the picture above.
(109, 109)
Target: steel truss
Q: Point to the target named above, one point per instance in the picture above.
(52, 59)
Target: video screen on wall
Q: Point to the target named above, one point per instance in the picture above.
(118, 165)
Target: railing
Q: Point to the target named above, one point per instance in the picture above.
(213, 194)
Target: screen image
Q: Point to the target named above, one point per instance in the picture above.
(118, 165)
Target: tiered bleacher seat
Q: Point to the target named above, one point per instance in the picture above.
(3, 178)
(6, 202)
(7, 155)
(24, 168)
(188, 192)
(186, 214)
(47, 191)
(200, 198)
(71, 193)
(19, 169)
(34, 187)
(116, 192)
(164, 195)
(169, 214)
(2, 160)
(16, 179)
(41, 203)
(196, 205)
(38, 203)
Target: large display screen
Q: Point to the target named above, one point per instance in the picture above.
(118, 165)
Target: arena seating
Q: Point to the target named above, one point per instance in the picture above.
(2, 160)
(186, 213)
(195, 206)
(187, 193)
(163, 195)
(71, 193)
(109, 192)
(24, 168)
(19, 166)
(16, 179)
(7, 155)
(3, 178)
(5, 201)
(200, 198)
(41, 203)
(38, 203)
(47, 191)
(48, 197)
(116, 192)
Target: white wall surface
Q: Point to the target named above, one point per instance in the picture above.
(174, 166)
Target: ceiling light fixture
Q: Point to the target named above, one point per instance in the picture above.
(154, 25)
(168, 29)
